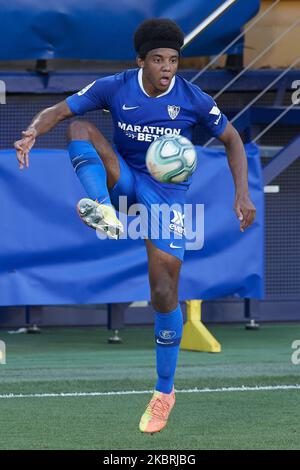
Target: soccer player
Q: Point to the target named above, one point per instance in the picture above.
(144, 103)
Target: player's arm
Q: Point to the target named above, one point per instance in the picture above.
(237, 161)
(43, 122)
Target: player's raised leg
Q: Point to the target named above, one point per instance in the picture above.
(97, 167)
(164, 270)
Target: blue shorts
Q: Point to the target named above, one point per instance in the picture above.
(161, 208)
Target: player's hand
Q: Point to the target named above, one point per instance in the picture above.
(23, 147)
(245, 211)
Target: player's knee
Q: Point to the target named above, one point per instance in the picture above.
(163, 296)
(79, 130)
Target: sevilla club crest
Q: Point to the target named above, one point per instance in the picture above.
(173, 111)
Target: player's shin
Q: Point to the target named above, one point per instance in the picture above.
(168, 332)
(90, 170)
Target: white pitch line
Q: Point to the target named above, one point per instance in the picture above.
(243, 388)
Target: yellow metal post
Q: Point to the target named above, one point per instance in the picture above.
(196, 336)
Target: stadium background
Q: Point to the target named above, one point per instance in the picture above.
(41, 65)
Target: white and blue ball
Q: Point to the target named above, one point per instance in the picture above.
(171, 159)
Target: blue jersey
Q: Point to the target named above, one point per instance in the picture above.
(139, 118)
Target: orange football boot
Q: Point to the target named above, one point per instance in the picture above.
(157, 412)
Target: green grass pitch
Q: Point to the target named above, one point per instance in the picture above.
(74, 360)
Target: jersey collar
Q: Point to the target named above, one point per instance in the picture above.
(140, 79)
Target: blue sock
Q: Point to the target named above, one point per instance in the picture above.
(90, 170)
(168, 332)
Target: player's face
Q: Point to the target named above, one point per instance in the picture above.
(159, 67)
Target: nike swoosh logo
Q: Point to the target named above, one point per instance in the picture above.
(174, 246)
(161, 342)
(127, 108)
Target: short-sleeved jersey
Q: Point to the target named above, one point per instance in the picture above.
(139, 119)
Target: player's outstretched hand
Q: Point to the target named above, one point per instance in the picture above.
(245, 211)
(23, 147)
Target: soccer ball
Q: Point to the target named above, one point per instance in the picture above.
(171, 159)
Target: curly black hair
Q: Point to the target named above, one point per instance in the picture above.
(157, 32)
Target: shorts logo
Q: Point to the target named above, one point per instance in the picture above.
(174, 246)
(178, 218)
(173, 111)
(176, 224)
(167, 334)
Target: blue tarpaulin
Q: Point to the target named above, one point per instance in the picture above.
(102, 30)
(47, 256)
